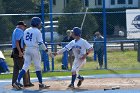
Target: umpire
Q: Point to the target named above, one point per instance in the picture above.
(17, 54)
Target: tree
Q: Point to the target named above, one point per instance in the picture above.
(38, 5)
(8, 22)
(6, 25)
(5, 29)
(69, 21)
(1, 7)
(18, 6)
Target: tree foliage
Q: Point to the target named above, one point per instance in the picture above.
(8, 22)
(113, 19)
(5, 25)
(2, 10)
(6, 29)
(69, 21)
(18, 6)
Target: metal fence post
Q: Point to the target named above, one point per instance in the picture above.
(65, 59)
(135, 46)
(122, 47)
(138, 55)
(51, 29)
(44, 54)
(104, 30)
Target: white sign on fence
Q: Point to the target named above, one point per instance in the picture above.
(133, 23)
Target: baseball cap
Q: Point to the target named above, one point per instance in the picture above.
(21, 23)
(76, 31)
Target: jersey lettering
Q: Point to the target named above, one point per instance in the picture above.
(29, 36)
(78, 47)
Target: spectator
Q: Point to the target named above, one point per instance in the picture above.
(94, 54)
(17, 54)
(3, 65)
(67, 39)
(99, 48)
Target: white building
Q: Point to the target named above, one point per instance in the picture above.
(115, 3)
(59, 5)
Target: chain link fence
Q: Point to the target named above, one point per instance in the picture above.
(121, 52)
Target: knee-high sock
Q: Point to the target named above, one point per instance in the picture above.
(73, 79)
(39, 76)
(22, 72)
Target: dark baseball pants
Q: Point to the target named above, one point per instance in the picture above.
(18, 63)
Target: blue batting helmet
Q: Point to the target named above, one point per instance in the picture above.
(35, 21)
(77, 31)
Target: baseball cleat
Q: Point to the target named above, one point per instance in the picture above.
(80, 82)
(43, 86)
(71, 86)
(17, 85)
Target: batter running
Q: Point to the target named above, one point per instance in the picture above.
(81, 48)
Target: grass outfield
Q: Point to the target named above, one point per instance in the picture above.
(86, 72)
(126, 60)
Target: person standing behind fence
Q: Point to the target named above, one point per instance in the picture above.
(17, 53)
(67, 39)
(33, 41)
(94, 54)
(99, 48)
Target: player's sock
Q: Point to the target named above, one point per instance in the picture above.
(22, 72)
(73, 79)
(80, 77)
(39, 76)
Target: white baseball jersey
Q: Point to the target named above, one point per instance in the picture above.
(79, 49)
(32, 36)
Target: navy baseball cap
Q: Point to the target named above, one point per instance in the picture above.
(35, 21)
(76, 31)
(21, 23)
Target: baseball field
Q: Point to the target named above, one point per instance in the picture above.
(95, 79)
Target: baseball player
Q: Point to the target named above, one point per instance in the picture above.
(81, 48)
(33, 40)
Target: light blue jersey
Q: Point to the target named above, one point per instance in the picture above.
(17, 35)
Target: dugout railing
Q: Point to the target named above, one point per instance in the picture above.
(121, 54)
(120, 47)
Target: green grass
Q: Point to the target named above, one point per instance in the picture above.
(126, 60)
(86, 72)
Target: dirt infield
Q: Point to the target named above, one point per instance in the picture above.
(91, 84)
